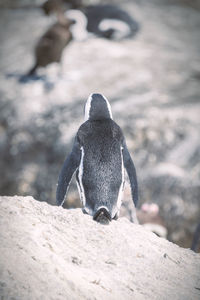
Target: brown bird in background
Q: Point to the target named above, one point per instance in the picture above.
(50, 46)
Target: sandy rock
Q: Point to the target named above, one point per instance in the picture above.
(47, 252)
(152, 83)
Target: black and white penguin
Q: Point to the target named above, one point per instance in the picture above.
(110, 21)
(103, 20)
(99, 156)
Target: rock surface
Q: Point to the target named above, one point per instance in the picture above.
(48, 252)
(152, 82)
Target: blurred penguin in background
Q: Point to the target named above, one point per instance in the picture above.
(103, 20)
(50, 46)
(110, 21)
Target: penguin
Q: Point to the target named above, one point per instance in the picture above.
(99, 157)
(50, 46)
(110, 21)
(103, 20)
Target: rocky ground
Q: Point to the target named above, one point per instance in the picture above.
(152, 82)
(47, 252)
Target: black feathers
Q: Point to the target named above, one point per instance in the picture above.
(99, 155)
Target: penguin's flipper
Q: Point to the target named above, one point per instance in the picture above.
(130, 168)
(69, 167)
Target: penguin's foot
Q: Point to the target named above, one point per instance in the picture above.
(116, 216)
(102, 216)
(84, 211)
(28, 78)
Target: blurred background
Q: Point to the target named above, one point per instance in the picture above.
(152, 80)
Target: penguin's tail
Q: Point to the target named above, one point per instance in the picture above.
(102, 216)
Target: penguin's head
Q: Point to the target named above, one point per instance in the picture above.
(79, 29)
(97, 107)
(102, 216)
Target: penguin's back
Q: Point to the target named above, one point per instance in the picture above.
(101, 166)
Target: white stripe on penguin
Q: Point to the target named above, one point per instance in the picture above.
(87, 107)
(80, 176)
(121, 189)
(121, 28)
(108, 106)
